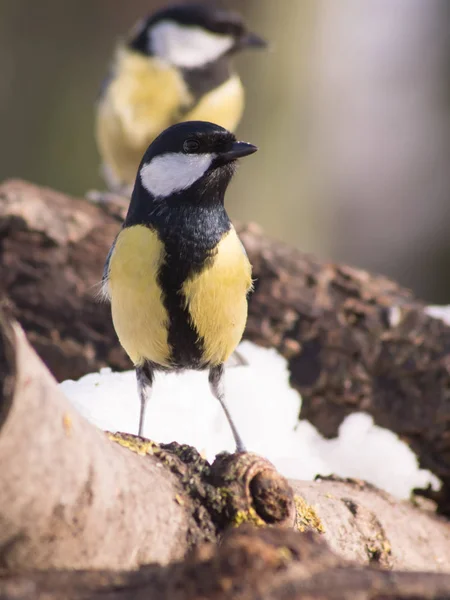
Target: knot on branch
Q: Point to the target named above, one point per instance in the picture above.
(235, 489)
(253, 489)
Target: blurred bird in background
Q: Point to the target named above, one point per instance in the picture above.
(352, 109)
(177, 275)
(174, 66)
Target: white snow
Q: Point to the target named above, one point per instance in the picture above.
(265, 409)
(439, 312)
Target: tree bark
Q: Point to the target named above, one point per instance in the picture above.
(353, 341)
(81, 512)
(69, 498)
(366, 525)
(72, 496)
(250, 564)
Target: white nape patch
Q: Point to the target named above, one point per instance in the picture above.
(187, 46)
(173, 172)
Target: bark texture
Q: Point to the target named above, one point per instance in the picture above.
(69, 498)
(354, 341)
(250, 564)
(87, 515)
(367, 525)
(73, 497)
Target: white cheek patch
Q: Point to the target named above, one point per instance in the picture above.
(173, 172)
(188, 47)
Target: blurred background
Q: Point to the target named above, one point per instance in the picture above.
(350, 109)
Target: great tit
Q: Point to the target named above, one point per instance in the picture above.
(175, 66)
(177, 275)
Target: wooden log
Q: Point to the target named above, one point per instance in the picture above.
(250, 564)
(364, 524)
(354, 341)
(69, 497)
(72, 496)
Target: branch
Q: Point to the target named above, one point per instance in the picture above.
(250, 564)
(68, 496)
(72, 496)
(354, 341)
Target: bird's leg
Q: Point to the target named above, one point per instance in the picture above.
(217, 388)
(144, 377)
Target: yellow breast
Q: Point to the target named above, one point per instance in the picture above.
(144, 97)
(217, 299)
(139, 316)
(223, 106)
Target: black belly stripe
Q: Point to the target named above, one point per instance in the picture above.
(190, 226)
(204, 79)
(185, 343)
(187, 253)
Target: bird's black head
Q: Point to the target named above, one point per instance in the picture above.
(191, 36)
(190, 163)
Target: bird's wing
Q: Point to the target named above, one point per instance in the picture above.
(104, 293)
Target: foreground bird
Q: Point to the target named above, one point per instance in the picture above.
(177, 274)
(175, 66)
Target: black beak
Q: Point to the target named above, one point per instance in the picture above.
(252, 40)
(237, 150)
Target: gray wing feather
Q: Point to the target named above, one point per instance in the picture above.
(104, 285)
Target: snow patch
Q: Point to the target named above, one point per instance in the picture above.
(265, 409)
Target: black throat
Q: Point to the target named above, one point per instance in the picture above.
(202, 80)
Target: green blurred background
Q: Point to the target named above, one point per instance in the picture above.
(350, 109)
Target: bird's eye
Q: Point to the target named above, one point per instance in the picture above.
(191, 146)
